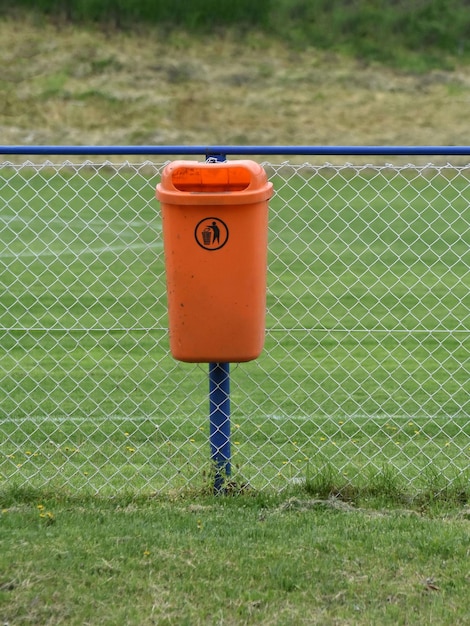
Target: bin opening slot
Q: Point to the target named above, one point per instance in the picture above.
(211, 179)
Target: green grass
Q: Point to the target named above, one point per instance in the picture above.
(254, 559)
(415, 36)
(365, 362)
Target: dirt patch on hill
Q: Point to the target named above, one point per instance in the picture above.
(64, 85)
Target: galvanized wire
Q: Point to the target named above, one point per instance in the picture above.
(367, 344)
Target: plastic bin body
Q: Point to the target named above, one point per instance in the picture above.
(215, 229)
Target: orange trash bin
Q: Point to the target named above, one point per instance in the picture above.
(215, 232)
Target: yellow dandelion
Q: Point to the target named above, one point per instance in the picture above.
(47, 517)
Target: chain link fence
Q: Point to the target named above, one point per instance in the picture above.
(366, 363)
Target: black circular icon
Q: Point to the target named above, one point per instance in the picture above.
(211, 233)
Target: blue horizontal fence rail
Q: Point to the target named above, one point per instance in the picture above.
(240, 150)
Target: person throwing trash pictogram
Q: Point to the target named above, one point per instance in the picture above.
(211, 233)
(216, 233)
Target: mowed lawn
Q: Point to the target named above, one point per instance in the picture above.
(366, 360)
(286, 559)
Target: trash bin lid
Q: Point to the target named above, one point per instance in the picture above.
(228, 182)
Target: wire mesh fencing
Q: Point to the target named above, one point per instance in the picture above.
(365, 367)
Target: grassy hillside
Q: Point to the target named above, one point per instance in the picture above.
(416, 35)
(64, 83)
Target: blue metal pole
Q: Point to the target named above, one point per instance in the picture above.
(219, 406)
(219, 416)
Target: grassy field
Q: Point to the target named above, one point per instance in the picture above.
(272, 560)
(64, 84)
(418, 36)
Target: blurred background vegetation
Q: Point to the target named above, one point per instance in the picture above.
(411, 34)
